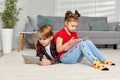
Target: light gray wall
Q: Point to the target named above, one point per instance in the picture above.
(33, 8)
(44, 7)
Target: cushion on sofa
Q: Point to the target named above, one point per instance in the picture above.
(59, 22)
(84, 20)
(112, 26)
(98, 26)
(83, 26)
(118, 28)
(32, 23)
(28, 27)
(42, 20)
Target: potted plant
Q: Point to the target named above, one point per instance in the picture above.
(9, 17)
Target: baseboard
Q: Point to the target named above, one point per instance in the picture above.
(1, 54)
(118, 46)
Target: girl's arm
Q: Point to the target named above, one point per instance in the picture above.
(62, 47)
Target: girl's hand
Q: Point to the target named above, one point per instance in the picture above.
(85, 38)
(71, 41)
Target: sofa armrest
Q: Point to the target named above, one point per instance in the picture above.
(112, 26)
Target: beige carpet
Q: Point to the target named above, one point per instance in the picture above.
(12, 67)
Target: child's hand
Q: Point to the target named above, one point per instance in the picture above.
(85, 38)
(45, 62)
(27, 62)
(71, 41)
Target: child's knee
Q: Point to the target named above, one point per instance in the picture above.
(89, 41)
(82, 44)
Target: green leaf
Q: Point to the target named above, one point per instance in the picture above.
(10, 14)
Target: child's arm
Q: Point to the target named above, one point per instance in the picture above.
(45, 62)
(75, 43)
(62, 47)
(38, 51)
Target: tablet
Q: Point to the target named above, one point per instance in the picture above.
(75, 43)
(32, 59)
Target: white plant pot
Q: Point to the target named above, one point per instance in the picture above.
(7, 36)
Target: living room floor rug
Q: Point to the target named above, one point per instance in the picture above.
(12, 67)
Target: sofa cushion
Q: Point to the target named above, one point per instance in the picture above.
(99, 34)
(98, 26)
(112, 26)
(84, 20)
(30, 19)
(83, 27)
(42, 20)
(28, 27)
(59, 22)
(118, 28)
(101, 37)
(32, 22)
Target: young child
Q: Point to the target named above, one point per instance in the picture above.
(66, 37)
(46, 46)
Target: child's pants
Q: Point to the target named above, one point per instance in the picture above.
(85, 48)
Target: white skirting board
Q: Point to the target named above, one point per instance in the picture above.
(118, 46)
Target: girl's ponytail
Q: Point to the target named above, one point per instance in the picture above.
(71, 16)
(77, 13)
(68, 14)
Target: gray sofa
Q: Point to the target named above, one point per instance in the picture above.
(111, 36)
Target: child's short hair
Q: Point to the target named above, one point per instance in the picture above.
(46, 31)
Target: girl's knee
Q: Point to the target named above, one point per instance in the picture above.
(89, 41)
(82, 44)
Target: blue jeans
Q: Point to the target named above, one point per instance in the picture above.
(85, 48)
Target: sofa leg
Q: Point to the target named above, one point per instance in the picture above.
(114, 46)
(106, 45)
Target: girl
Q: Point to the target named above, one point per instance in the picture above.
(67, 37)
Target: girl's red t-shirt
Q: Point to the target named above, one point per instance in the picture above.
(66, 37)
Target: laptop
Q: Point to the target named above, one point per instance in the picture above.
(32, 59)
(75, 43)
